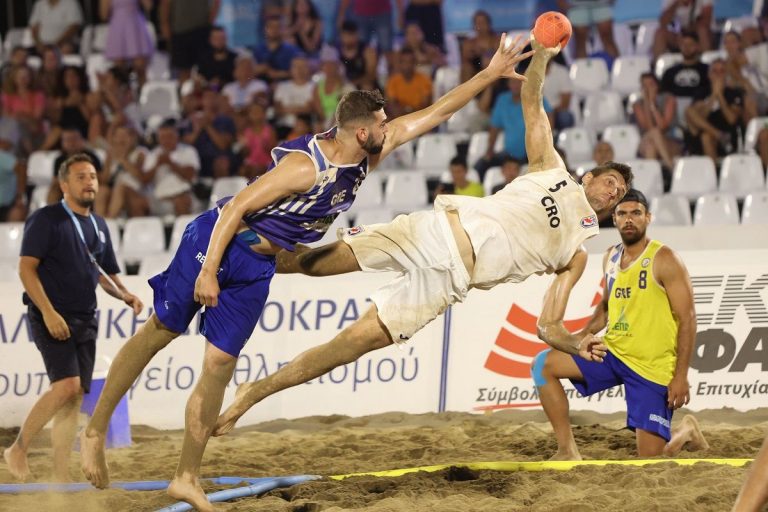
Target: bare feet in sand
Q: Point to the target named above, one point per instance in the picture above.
(688, 433)
(16, 458)
(188, 489)
(93, 460)
(229, 417)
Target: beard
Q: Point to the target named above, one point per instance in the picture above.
(371, 147)
(632, 238)
(84, 202)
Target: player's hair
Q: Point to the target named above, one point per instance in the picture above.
(623, 169)
(357, 106)
(690, 35)
(511, 160)
(459, 160)
(63, 171)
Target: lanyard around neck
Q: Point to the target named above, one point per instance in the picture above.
(79, 228)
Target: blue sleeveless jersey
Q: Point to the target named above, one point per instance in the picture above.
(305, 217)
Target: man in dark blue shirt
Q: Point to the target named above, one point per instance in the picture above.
(63, 244)
(274, 55)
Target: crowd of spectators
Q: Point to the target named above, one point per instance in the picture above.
(237, 103)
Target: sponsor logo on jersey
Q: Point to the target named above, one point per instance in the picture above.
(355, 230)
(645, 262)
(589, 222)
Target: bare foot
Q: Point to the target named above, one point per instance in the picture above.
(229, 417)
(93, 460)
(189, 490)
(566, 455)
(16, 458)
(689, 432)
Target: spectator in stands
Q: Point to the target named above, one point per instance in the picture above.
(10, 131)
(13, 180)
(684, 79)
(245, 88)
(18, 57)
(185, 24)
(558, 89)
(111, 105)
(584, 14)
(477, 50)
(677, 18)
(745, 75)
(329, 88)
(510, 169)
(460, 184)
(294, 96)
(128, 39)
(715, 116)
(305, 28)
(762, 145)
(72, 143)
(212, 134)
(48, 77)
(257, 140)
(23, 101)
(301, 126)
(172, 168)
(360, 61)
(127, 181)
(602, 152)
(428, 15)
(217, 63)
(507, 116)
(407, 90)
(655, 112)
(68, 106)
(373, 18)
(56, 22)
(274, 55)
(428, 56)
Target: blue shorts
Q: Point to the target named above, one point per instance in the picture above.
(646, 401)
(244, 278)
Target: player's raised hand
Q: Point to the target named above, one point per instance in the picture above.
(507, 57)
(591, 348)
(207, 289)
(539, 48)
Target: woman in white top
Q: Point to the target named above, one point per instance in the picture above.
(124, 165)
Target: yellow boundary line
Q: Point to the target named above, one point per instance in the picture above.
(544, 466)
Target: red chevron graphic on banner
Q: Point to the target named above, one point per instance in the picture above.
(511, 342)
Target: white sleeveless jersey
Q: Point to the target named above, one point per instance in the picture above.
(534, 225)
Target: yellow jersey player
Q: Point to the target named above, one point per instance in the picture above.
(648, 310)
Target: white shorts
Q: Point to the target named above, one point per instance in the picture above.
(421, 247)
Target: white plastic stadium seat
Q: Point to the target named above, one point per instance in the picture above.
(159, 67)
(622, 36)
(478, 143)
(741, 175)
(648, 177)
(753, 129)
(370, 194)
(588, 76)
(159, 98)
(694, 176)
(143, 236)
(472, 175)
(435, 150)
(625, 139)
(373, 216)
(179, 225)
(739, 24)
(711, 56)
(227, 186)
(40, 167)
(11, 234)
(716, 210)
(153, 264)
(406, 191)
(20, 36)
(401, 158)
(670, 210)
(644, 39)
(114, 234)
(99, 41)
(492, 178)
(602, 109)
(72, 59)
(583, 168)
(666, 61)
(755, 209)
(446, 78)
(577, 142)
(96, 64)
(626, 72)
(462, 120)
(39, 197)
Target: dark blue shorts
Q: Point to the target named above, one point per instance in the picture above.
(244, 278)
(646, 401)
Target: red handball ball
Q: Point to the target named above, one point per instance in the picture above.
(552, 28)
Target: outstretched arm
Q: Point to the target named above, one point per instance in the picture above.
(410, 126)
(538, 132)
(294, 174)
(550, 325)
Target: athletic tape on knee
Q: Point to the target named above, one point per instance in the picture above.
(537, 368)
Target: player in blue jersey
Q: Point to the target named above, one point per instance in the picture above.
(232, 248)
